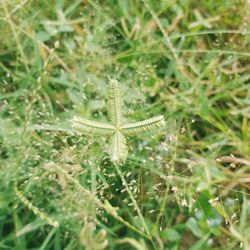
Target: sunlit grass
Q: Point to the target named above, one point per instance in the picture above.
(182, 187)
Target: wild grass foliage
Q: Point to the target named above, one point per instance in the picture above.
(184, 186)
(118, 128)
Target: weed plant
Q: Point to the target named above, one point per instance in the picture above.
(184, 185)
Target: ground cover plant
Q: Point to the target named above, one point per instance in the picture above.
(181, 184)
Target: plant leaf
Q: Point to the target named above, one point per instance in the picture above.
(136, 244)
(118, 150)
(92, 240)
(143, 126)
(115, 103)
(91, 127)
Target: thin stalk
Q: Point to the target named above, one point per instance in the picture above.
(124, 182)
(107, 207)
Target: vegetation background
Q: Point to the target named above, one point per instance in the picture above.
(185, 186)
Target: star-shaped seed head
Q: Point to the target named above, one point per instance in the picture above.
(117, 129)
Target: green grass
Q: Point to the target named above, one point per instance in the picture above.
(182, 187)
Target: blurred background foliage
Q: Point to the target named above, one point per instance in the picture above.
(187, 60)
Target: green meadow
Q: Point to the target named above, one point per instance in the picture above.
(124, 125)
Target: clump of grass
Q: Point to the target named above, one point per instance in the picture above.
(184, 187)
